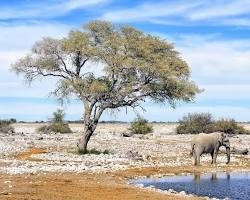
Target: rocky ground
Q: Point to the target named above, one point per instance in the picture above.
(27, 157)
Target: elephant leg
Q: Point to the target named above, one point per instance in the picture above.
(197, 158)
(212, 155)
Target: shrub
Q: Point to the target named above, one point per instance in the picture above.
(58, 125)
(5, 126)
(202, 122)
(13, 120)
(55, 127)
(229, 126)
(195, 123)
(140, 126)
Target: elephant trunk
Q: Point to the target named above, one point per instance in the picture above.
(228, 154)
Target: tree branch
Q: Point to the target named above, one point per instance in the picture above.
(64, 64)
(83, 63)
(123, 102)
(79, 67)
(39, 71)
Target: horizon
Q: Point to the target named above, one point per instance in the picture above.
(212, 37)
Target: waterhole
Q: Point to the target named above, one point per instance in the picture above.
(234, 185)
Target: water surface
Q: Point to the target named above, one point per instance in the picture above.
(234, 185)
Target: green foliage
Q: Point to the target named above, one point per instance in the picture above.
(195, 123)
(58, 125)
(92, 151)
(140, 126)
(202, 122)
(229, 126)
(58, 116)
(5, 126)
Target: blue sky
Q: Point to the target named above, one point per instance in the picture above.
(212, 36)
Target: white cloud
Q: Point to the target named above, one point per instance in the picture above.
(225, 92)
(15, 42)
(22, 37)
(224, 8)
(149, 11)
(218, 12)
(45, 9)
(6, 57)
(240, 21)
(28, 109)
(216, 61)
(18, 88)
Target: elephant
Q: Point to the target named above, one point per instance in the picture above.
(209, 143)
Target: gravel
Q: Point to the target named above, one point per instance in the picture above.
(160, 148)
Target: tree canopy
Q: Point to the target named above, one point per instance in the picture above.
(133, 66)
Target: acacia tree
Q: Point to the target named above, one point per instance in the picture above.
(135, 66)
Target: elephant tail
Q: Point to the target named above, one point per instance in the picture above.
(192, 150)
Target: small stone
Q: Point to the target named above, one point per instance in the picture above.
(183, 193)
(4, 193)
(140, 185)
(7, 181)
(127, 134)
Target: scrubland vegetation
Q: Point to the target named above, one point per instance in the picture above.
(203, 122)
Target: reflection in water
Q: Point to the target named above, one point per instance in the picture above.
(218, 185)
(214, 177)
(197, 176)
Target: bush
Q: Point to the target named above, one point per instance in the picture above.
(55, 127)
(5, 126)
(13, 120)
(58, 125)
(140, 126)
(202, 122)
(195, 123)
(229, 126)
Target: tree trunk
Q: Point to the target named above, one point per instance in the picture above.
(83, 143)
(90, 124)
